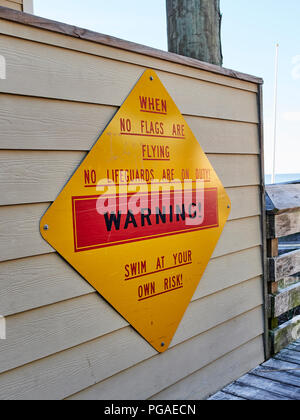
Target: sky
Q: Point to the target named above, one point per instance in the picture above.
(250, 31)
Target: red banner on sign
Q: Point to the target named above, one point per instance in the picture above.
(158, 215)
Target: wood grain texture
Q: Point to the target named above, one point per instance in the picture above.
(194, 30)
(75, 76)
(279, 371)
(272, 245)
(222, 396)
(295, 345)
(284, 265)
(85, 34)
(283, 224)
(40, 333)
(286, 334)
(288, 281)
(117, 386)
(20, 236)
(43, 124)
(289, 356)
(39, 176)
(285, 300)
(284, 198)
(203, 383)
(43, 280)
(266, 384)
(244, 388)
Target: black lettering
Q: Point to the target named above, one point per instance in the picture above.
(130, 219)
(111, 219)
(146, 216)
(180, 213)
(161, 215)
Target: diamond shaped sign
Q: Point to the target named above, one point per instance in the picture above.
(143, 213)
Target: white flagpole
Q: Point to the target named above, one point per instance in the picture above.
(275, 114)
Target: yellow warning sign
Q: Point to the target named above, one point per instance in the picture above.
(142, 215)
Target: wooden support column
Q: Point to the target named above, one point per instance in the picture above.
(283, 220)
(194, 29)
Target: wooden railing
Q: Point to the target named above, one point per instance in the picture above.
(283, 247)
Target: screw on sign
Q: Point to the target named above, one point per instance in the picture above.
(148, 208)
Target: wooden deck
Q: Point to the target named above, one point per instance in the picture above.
(276, 379)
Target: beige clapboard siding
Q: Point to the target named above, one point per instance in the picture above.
(66, 373)
(43, 280)
(20, 236)
(59, 73)
(16, 5)
(62, 336)
(98, 49)
(19, 232)
(245, 202)
(42, 332)
(232, 334)
(39, 176)
(19, 225)
(202, 384)
(43, 124)
(229, 270)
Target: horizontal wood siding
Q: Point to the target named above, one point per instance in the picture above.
(12, 4)
(201, 384)
(66, 125)
(39, 176)
(186, 360)
(63, 340)
(57, 73)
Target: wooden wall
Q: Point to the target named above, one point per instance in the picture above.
(63, 340)
(20, 5)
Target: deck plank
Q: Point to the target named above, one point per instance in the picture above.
(252, 393)
(276, 379)
(265, 384)
(288, 355)
(278, 375)
(223, 396)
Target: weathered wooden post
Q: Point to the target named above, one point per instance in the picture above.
(283, 233)
(194, 29)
